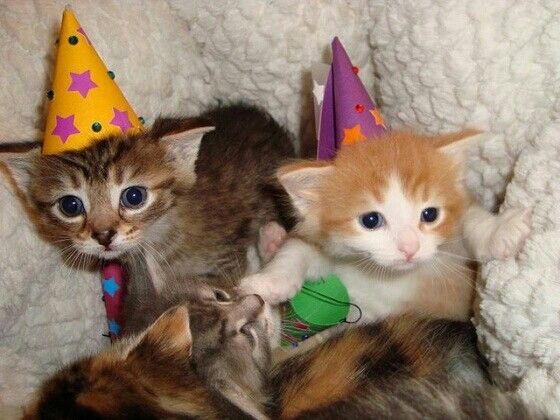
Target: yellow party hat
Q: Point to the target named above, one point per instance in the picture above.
(85, 103)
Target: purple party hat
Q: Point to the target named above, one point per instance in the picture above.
(344, 112)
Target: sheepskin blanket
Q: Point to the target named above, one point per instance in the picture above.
(434, 65)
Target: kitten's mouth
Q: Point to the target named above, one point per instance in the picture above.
(406, 265)
(401, 265)
(109, 254)
(104, 253)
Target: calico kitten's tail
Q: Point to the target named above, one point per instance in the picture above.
(404, 368)
(421, 400)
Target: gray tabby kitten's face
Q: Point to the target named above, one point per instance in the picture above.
(115, 197)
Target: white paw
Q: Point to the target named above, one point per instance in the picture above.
(271, 238)
(273, 288)
(513, 228)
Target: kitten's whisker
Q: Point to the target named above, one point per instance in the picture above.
(459, 270)
(461, 257)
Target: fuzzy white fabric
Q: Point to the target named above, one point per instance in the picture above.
(438, 65)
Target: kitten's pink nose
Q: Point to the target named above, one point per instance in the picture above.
(409, 248)
(408, 242)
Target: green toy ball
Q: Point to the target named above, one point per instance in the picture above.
(319, 305)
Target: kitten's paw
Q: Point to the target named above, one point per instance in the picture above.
(514, 226)
(271, 238)
(273, 288)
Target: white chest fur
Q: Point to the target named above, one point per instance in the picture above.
(375, 296)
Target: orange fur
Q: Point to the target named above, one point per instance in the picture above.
(366, 167)
(399, 179)
(318, 387)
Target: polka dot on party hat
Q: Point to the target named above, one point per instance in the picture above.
(85, 103)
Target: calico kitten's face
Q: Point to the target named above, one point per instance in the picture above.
(389, 202)
(175, 367)
(114, 197)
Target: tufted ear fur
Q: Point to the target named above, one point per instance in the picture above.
(302, 181)
(181, 138)
(169, 337)
(18, 161)
(458, 145)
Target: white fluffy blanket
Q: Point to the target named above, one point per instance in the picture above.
(435, 65)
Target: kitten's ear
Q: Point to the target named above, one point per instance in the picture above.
(302, 181)
(182, 147)
(18, 160)
(169, 336)
(457, 145)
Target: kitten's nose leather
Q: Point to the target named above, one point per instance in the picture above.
(104, 237)
(409, 249)
(408, 243)
(252, 305)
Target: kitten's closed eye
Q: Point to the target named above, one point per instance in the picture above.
(222, 296)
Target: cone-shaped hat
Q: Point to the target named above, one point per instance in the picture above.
(346, 114)
(85, 103)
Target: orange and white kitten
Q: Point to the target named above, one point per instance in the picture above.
(393, 219)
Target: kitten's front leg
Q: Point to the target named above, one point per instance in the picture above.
(283, 276)
(496, 236)
(271, 237)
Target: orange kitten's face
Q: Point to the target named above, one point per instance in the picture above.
(388, 202)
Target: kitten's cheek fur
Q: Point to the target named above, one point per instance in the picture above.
(272, 323)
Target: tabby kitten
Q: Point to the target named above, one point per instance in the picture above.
(191, 197)
(393, 219)
(212, 360)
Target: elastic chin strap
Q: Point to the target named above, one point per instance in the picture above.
(330, 299)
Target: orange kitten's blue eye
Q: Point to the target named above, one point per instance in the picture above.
(429, 215)
(134, 197)
(71, 206)
(372, 220)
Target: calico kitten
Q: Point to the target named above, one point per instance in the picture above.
(403, 368)
(191, 197)
(212, 360)
(393, 219)
(208, 361)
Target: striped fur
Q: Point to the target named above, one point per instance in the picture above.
(201, 218)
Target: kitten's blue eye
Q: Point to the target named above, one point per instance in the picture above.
(71, 206)
(372, 220)
(134, 197)
(429, 214)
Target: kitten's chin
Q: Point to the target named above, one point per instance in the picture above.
(406, 266)
(104, 254)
